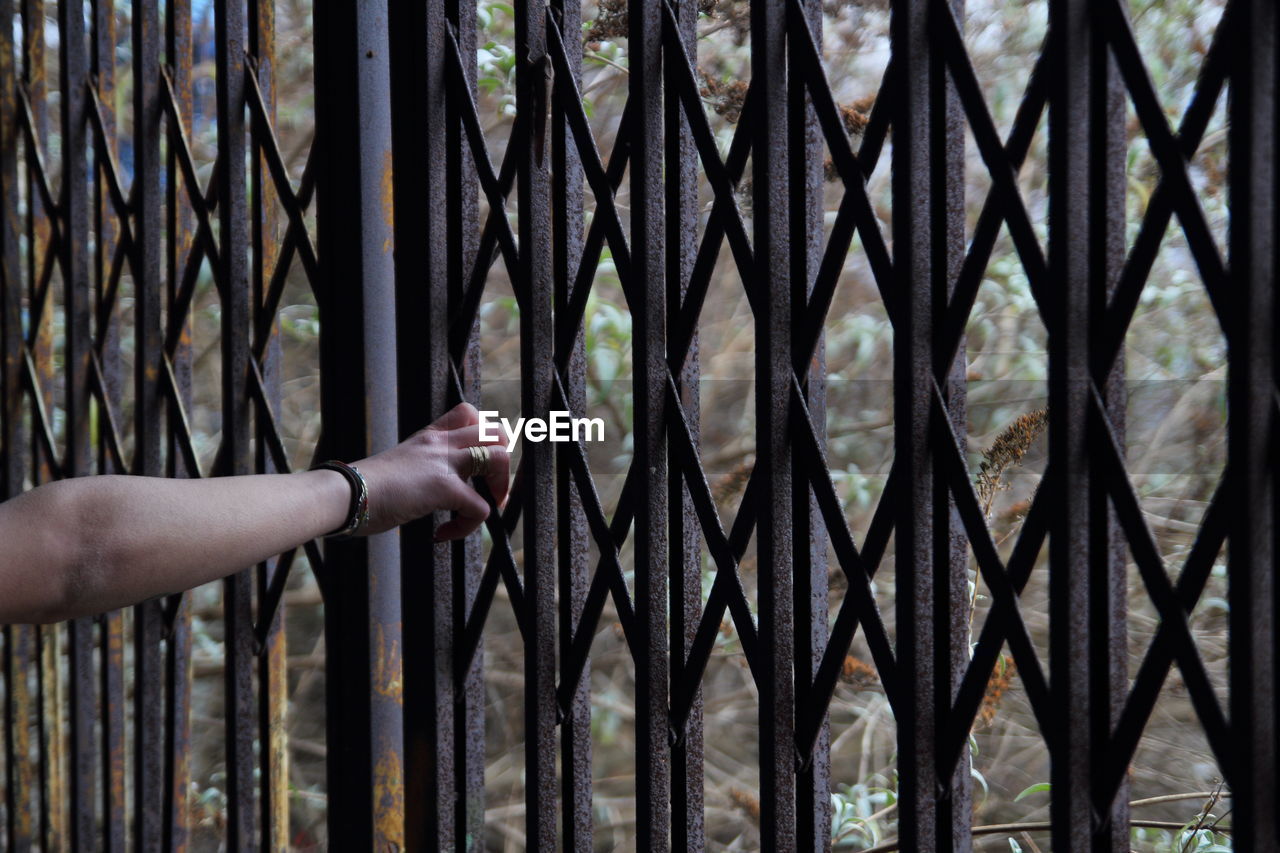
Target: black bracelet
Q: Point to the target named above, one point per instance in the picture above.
(358, 512)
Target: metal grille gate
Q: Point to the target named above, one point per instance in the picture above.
(401, 161)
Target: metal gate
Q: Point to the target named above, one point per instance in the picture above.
(396, 223)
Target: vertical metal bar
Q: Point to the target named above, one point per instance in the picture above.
(54, 814)
(771, 281)
(113, 732)
(180, 237)
(1109, 653)
(148, 693)
(237, 450)
(1070, 206)
(468, 559)
(1251, 426)
(111, 673)
(648, 257)
(105, 226)
(51, 827)
(12, 431)
(951, 617)
(928, 614)
(73, 69)
(571, 523)
(19, 640)
(685, 535)
(418, 91)
(813, 782)
(534, 278)
(35, 77)
(361, 579)
(21, 784)
(272, 673)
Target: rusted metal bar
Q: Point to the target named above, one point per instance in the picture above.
(770, 284)
(51, 816)
(273, 685)
(1251, 427)
(40, 219)
(361, 578)
(573, 556)
(19, 640)
(113, 732)
(468, 559)
(179, 244)
(21, 784)
(107, 335)
(55, 816)
(106, 226)
(145, 264)
(73, 71)
(534, 288)
(684, 533)
(648, 295)
(236, 453)
(420, 134)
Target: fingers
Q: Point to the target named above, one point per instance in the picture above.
(499, 475)
(469, 436)
(464, 500)
(462, 415)
(471, 511)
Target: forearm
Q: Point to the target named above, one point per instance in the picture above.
(82, 546)
(117, 540)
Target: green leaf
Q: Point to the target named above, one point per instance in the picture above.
(1034, 789)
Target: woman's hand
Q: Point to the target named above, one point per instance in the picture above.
(430, 472)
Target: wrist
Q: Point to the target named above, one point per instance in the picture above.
(356, 521)
(332, 493)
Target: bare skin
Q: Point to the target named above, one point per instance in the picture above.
(78, 547)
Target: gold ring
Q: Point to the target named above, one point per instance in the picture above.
(479, 461)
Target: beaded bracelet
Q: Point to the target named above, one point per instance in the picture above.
(358, 514)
